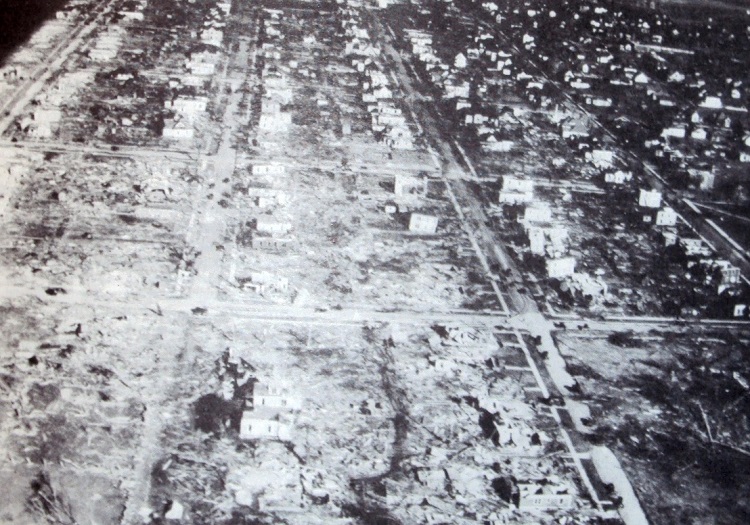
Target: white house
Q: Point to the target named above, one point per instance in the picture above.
(264, 281)
(382, 92)
(712, 103)
(649, 198)
(132, 15)
(453, 90)
(254, 426)
(694, 246)
(574, 128)
(618, 177)
(515, 197)
(559, 268)
(268, 169)
(424, 224)
(699, 134)
(675, 132)
(641, 78)
(270, 243)
(537, 213)
(269, 226)
(270, 396)
(499, 146)
(543, 496)
(515, 184)
(730, 274)
(189, 106)
(579, 84)
(536, 241)
(601, 158)
(666, 217)
(271, 413)
(177, 129)
(599, 102)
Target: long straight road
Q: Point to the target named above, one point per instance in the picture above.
(453, 164)
(205, 231)
(474, 219)
(127, 152)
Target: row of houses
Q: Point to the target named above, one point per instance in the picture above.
(45, 120)
(200, 66)
(269, 412)
(270, 233)
(276, 90)
(387, 120)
